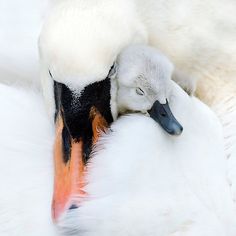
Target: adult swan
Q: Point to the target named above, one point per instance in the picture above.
(81, 39)
(169, 185)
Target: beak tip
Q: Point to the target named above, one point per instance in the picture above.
(174, 128)
(177, 131)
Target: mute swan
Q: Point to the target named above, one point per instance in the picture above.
(26, 176)
(140, 84)
(184, 196)
(143, 77)
(197, 36)
(164, 186)
(181, 176)
(217, 86)
(108, 192)
(77, 52)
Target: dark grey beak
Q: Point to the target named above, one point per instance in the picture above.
(162, 114)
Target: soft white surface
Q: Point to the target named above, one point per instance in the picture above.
(198, 36)
(80, 40)
(26, 166)
(168, 185)
(20, 23)
(142, 181)
(226, 111)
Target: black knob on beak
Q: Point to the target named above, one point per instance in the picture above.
(162, 114)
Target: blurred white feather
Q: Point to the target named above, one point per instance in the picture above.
(26, 136)
(20, 23)
(142, 181)
(26, 176)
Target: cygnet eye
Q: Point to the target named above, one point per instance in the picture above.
(139, 91)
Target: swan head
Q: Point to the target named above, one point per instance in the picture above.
(143, 77)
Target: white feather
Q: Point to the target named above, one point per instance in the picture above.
(26, 176)
(142, 181)
(198, 36)
(81, 40)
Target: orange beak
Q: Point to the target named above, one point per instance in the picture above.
(69, 179)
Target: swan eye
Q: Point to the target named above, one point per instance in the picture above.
(139, 91)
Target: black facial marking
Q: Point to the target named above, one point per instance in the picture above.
(57, 98)
(76, 112)
(73, 206)
(66, 139)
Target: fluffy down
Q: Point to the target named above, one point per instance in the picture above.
(26, 176)
(142, 181)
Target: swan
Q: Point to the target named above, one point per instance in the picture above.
(214, 83)
(167, 186)
(212, 208)
(79, 55)
(138, 82)
(84, 54)
(26, 176)
(104, 192)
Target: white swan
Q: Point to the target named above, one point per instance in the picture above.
(190, 176)
(134, 145)
(216, 82)
(26, 176)
(163, 186)
(78, 52)
(81, 39)
(194, 188)
(140, 83)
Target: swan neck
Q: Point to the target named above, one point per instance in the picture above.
(113, 102)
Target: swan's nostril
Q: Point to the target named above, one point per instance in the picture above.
(73, 206)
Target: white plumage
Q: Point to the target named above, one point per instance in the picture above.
(199, 41)
(81, 39)
(166, 185)
(142, 181)
(169, 185)
(26, 176)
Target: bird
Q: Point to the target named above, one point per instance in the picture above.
(142, 181)
(139, 86)
(178, 187)
(205, 94)
(107, 188)
(78, 55)
(26, 176)
(146, 22)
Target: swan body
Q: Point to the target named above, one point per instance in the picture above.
(26, 175)
(182, 179)
(141, 85)
(215, 87)
(158, 184)
(80, 41)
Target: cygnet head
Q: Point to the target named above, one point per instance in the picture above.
(143, 77)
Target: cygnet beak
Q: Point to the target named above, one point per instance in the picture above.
(162, 114)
